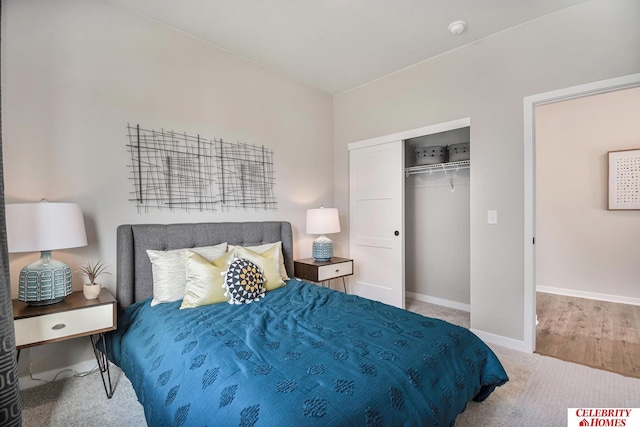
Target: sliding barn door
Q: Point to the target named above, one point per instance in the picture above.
(376, 211)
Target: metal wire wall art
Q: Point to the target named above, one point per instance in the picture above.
(172, 170)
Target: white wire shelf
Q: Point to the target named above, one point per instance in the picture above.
(439, 167)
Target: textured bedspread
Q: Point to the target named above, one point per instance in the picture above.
(304, 355)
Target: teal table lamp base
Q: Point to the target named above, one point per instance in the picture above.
(322, 249)
(46, 281)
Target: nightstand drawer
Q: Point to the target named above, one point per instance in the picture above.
(55, 326)
(331, 271)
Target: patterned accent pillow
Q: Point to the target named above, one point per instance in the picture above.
(244, 282)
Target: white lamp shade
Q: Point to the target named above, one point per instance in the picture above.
(44, 226)
(323, 221)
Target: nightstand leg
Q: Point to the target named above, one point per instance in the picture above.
(103, 362)
(344, 285)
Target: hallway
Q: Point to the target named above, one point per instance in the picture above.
(599, 334)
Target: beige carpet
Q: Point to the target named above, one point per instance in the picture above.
(81, 402)
(555, 386)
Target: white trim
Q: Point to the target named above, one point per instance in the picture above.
(529, 308)
(580, 91)
(588, 295)
(67, 372)
(413, 133)
(439, 301)
(500, 340)
(530, 102)
(485, 336)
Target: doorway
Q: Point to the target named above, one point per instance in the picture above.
(530, 105)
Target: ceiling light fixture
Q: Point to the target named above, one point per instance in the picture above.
(457, 27)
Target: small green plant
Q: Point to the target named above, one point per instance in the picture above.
(93, 270)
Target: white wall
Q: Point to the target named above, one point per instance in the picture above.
(75, 72)
(582, 248)
(437, 238)
(487, 82)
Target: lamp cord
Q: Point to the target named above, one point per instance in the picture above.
(75, 373)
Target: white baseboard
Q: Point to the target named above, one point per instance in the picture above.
(484, 336)
(589, 295)
(27, 382)
(439, 301)
(501, 341)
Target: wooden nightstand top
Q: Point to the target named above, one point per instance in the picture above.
(312, 261)
(73, 301)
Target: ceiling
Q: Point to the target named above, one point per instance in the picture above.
(336, 45)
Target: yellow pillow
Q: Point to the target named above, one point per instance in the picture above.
(269, 263)
(205, 280)
(262, 248)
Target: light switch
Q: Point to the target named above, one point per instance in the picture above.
(492, 217)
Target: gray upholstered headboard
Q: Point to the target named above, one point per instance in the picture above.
(134, 276)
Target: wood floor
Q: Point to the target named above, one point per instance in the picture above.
(599, 334)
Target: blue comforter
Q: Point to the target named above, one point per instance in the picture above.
(304, 355)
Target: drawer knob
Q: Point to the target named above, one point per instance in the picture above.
(58, 326)
(337, 270)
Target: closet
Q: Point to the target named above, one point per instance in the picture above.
(437, 221)
(409, 217)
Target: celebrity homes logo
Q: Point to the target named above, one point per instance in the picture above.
(603, 417)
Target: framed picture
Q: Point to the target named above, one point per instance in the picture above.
(624, 180)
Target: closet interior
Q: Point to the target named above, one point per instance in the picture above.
(437, 218)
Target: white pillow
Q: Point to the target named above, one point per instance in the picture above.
(169, 273)
(265, 247)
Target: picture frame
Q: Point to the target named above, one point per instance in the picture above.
(623, 190)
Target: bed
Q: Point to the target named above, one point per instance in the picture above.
(301, 355)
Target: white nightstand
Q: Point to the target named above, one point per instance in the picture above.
(74, 317)
(323, 271)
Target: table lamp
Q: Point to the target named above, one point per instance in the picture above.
(323, 221)
(44, 227)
